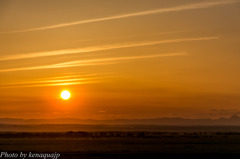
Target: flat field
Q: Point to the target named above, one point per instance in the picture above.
(125, 145)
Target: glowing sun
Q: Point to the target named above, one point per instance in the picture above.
(65, 95)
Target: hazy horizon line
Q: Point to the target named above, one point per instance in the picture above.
(177, 117)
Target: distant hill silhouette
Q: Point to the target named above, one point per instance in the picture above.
(232, 121)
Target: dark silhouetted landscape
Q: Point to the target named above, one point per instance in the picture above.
(124, 141)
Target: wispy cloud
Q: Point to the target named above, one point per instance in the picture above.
(91, 62)
(48, 81)
(53, 84)
(148, 12)
(45, 83)
(100, 48)
(58, 81)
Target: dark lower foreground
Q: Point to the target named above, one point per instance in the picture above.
(167, 145)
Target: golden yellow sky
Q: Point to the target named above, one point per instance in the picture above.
(119, 59)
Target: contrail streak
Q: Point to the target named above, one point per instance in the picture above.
(91, 62)
(99, 48)
(121, 16)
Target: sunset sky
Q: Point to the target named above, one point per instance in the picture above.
(119, 58)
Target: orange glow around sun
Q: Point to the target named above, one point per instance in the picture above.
(65, 95)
